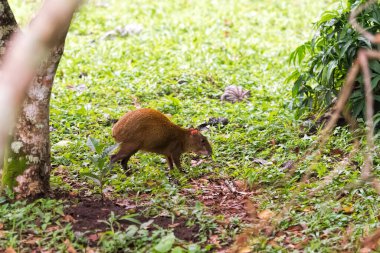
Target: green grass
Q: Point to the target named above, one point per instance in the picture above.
(186, 54)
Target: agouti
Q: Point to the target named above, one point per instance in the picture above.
(150, 130)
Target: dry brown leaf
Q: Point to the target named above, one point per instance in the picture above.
(246, 249)
(90, 250)
(10, 250)
(174, 225)
(93, 237)
(295, 228)
(68, 218)
(69, 246)
(52, 228)
(250, 209)
(365, 250)
(31, 241)
(371, 242)
(241, 185)
(266, 215)
(273, 243)
(214, 239)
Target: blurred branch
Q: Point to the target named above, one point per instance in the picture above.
(22, 59)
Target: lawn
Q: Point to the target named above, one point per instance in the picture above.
(178, 57)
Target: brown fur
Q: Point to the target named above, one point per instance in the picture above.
(151, 131)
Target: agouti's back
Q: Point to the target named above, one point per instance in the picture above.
(145, 126)
(150, 130)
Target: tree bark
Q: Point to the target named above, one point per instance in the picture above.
(27, 166)
(8, 25)
(31, 138)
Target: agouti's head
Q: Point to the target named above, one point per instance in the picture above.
(198, 143)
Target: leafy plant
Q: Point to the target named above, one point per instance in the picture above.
(100, 160)
(322, 63)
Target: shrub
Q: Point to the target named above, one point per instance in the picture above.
(323, 62)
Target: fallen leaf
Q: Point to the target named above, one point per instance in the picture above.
(69, 246)
(365, 250)
(262, 161)
(31, 241)
(68, 218)
(10, 250)
(63, 143)
(174, 225)
(93, 237)
(52, 228)
(288, 165)
(90, 250)
(273, 243)
(336, 152)
(241, 185)
(214, 239)
(295, 228)
(371, 242)
(266, 215)
(246, 249)
(347, 209)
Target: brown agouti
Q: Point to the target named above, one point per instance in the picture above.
(150, 130)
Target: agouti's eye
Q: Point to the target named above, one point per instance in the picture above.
(203, 140)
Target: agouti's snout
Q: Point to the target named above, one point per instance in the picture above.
(150, 130)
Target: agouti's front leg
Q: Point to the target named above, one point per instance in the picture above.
(170, 162)
(177, 161)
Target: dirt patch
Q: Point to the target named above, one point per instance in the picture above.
(222, 197)
(90, 216)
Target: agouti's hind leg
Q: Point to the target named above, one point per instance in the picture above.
(177, 161)
(125, 152)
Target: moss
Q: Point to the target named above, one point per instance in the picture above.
(14, 165)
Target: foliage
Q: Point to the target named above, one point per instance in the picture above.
(186, 54)
(323, 62)
(100, 160)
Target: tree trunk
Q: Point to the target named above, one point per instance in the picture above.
(8, 25)
(27, 166)
(31, 138)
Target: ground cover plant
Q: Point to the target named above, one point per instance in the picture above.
(178, 57)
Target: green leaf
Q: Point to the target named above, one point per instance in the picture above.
(293, 76)
(194, 248)
(358, 108)
(327, 16)
(296, 86)
(327, 72)
(130, 218)
(92, 176)
(94, 145)
(131, 230)
(165, 244)
(375, 81)
(344, 49)
(375, 66)
(177, 250)
(107, 151)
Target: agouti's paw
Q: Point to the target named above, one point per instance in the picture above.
(173, 180)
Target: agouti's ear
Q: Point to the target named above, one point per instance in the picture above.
(194, 131)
